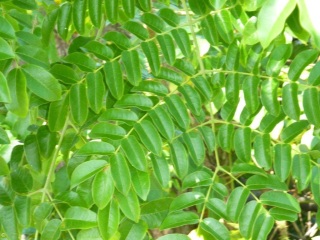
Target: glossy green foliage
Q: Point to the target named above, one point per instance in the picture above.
(158, 119)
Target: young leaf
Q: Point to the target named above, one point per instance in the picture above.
(134, 153)
(281, 200)
(179, 158)
(129, 205)
(79, 218)
(262, 150)
(78, 103)
(161, 170)
(269, 96)
(167, 47)
(311, 105)
(120, 173)
(301, 171)
(290, 101)
(242, 144)
(86, 170)
(236, 202)
(300, 62)
(178, 110)
(282, 161)
(102, 188)
(151, 51)
(95, 91)
(79, 13)
(149, 136)
(271, 19)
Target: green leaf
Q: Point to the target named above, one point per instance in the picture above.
(208, 137)
(4, 169)
(149, 136)
(257, 182)
(179, 218)
(271, 19)
(225, 137)
(311, 105)
(278, 58)
(151, 51)
(130, 230)
(315, 184)
(186, 200)
(175, 236)
(154, 87)
(112, 7)
(58, 113)
(26, 4)
(293, 130)
(129, 205)
(41, 213)
(93, 148)
(6, 29)
(22, 206)
(184, 66)
(95, 91)
(244, 168)
(264, 225)
(82, 61)
(269, 96)
(280, 214)
(170, 75)
(161, 170)
(9, 222)
(154, 22)
(179, 158)
(250, 88)
(4, 89)
(195, 146)
(202, 85)
(145, 5)
(19, 104)
(215, 229)
(281, 200)
(136, 29)
(181, 38)
(129, 8)
(135, 100)
(208, 31)
(192, 98)
(248, 217)
(99, 50)
(107, 130)
(196, 179)
(33, 55)
(4, 139)
(92, 233)
(48, 25)
(5, 50)
(162, 121)
(300, 62)
(47, 141)
(79, 218)
(120, 173)
(64, 20)
(21, 180)
(86, 170)
(42, 83)
(119, 39)
(314, 76)
(108, 219)
(134, 153)
(301, 171)
(169, 16)
(65, 74)
(178, 110)
(290, 101)
(262, 150)
(102, 188)
(242, 144)
(198, 7)
(236, 202)
(95, 12)
(6, 193)
(232, 88)
(282, 161)
(52, 230)
(308, 16)
(141, 183)
(78, 103)
(269, 121)
(118, 114)
(131, 63)
(167, 47)
(223, 24)
(113, 77)
(32, 152)
(79, 14)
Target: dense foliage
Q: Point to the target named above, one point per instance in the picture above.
(140, 119)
